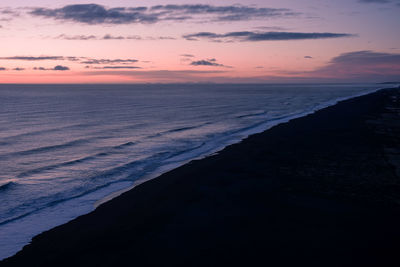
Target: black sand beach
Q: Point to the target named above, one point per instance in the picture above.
(322, 190)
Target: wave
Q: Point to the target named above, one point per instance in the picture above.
(179, 129)
(125, 145)
(52, 203)
(142, 167)
(5, 185)
(75, 161)
(40, 132)
(251, 114)
(45, 148)
(138, 168)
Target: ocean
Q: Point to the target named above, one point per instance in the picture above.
(64, 148)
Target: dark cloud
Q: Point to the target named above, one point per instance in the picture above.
(374, 1)
(308, 57)
(262, 36)
(359, 66)
(208, 62)
(57, 68)
(187, 55)
(225, 13)
(111, 37)
(367, 57)
(2, 68)
(18, 69)
(98, 14)
(95, 14)
(204, 63)
(92, 61)
(380, 1)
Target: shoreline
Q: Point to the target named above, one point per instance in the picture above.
(229, 150)
(260, 128)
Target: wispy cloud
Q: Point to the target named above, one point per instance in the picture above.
(81, 60)
(76, 37)
(7, 13)
(249, 36)
(186, 57)
(93, 61)
(115, 67)
(110, 37)
(40, 58)
(98, 14)
(30, 58)
(271, 28)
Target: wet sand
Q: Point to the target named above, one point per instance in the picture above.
(321, 190)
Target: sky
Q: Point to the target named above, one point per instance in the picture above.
(152, 41)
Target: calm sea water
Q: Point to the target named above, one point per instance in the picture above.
(64, 147)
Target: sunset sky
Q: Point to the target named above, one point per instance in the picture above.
(124, 41)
